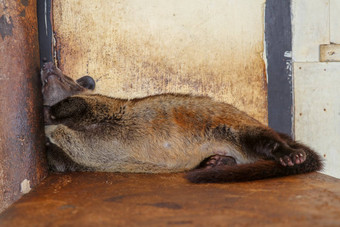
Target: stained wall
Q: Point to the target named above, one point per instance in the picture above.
(135, 48)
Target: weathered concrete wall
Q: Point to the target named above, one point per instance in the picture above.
(135, 48)
(21, 124)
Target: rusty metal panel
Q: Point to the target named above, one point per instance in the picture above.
(22, 160)
(141, 47)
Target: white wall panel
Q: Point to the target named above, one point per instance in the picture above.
(317, 110)
(310, 24)
(335, 21)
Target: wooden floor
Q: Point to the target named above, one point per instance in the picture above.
(111, 199)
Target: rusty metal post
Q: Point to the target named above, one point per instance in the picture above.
(21, 122)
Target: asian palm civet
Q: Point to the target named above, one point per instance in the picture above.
(213, 141)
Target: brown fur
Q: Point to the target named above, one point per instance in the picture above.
(171, 133)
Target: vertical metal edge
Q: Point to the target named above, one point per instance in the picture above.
(44, 12)
(278, 39)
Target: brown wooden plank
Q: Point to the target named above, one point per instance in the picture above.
(112, 199)
(21, 123)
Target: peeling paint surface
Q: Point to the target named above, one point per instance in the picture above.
(25, 186)
(6, 26)
(138, 47)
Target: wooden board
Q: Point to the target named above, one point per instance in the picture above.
(140, 47)
(109, 199)
(317, 110)
(310, 25)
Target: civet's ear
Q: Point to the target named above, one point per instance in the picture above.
(87, 82)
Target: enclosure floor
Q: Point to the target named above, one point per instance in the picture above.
(111, 199)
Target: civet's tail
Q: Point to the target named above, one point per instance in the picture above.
(259, 170)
